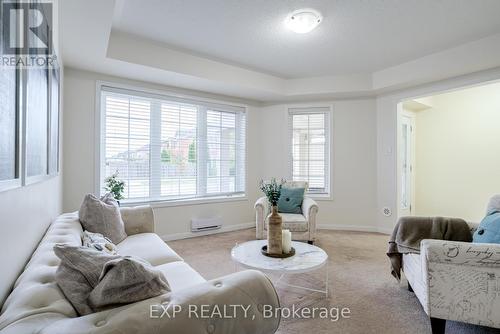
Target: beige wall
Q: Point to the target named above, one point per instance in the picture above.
(26, 213)
(353, 154)
(79, 158)
(353, 171)
(457, 160)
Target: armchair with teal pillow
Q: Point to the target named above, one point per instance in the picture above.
(301, 223)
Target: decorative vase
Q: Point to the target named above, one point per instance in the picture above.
(274, 234)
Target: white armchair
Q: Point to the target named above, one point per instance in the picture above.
(302, 226)
(457, 281)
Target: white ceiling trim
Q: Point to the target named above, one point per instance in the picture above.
(97, 48)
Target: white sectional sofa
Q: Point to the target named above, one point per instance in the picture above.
(37, 305)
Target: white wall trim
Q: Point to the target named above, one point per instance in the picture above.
(186, 235)
(244, 226)
(187, 201)
(354, 228)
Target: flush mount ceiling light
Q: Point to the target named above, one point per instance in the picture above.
(303, 21)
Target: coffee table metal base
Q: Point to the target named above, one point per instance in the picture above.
(323, 291)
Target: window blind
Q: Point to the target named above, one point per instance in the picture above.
(310, 147)
(171, 148)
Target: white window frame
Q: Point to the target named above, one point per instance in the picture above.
(314, 109)
(167, 95)
(18, 180)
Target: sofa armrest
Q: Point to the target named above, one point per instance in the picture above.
(461, 253)
(262, 204)
(138, 219)
(460, 281)
(249, 288)
(309, 210)
(261, 211)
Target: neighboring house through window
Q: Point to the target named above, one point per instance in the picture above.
(169, 148)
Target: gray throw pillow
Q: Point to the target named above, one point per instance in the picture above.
(102, 216)
(93, 281)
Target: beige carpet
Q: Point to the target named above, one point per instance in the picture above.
(359, 279)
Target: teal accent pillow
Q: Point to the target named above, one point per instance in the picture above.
(290, 200)
(489, 229)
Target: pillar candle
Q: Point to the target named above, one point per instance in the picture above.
(287, 241)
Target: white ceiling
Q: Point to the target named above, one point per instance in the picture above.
(239, 49)
(356, 36)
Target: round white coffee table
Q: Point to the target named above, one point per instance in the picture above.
(307, 258)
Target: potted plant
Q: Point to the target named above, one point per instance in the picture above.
(272, 190)
(115, 186)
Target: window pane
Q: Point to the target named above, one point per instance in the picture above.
(178, 149)
(222, 152)
(37, 122)
(127, 140)
(213, 168)
(54, 123)
(8, 124)
(213, 185)
(316, 121)
(227, 184)
(309, 149)
(166, 149)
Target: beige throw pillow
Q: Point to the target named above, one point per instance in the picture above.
(102, 216)
(93, 281)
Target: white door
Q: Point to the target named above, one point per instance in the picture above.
(406, 155)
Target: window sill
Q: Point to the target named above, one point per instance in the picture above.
(186, 201)
(320, 197)
(10, 184)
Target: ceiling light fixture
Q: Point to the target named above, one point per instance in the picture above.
(304, 20)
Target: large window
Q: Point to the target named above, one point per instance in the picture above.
(8, 125)
(29, 106)
(310, 147)
(169, 148)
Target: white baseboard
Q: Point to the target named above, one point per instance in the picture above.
(186, 235)
(356, 228)
(385, 230)
(229, 228)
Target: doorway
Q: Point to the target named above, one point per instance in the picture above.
(446, 160)
(406, 161)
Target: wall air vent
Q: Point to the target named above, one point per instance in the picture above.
(387, 212)
(205, 224)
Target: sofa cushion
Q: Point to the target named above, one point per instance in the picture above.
(293, 222)
(102, 216)
(148, 246)
(180, 275)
